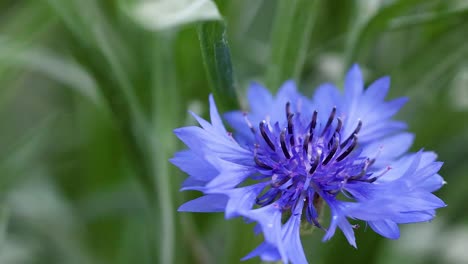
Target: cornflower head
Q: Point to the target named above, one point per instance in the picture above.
(290, 155)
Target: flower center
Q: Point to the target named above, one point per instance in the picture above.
(307, 160)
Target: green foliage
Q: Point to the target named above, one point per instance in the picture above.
(91, 91)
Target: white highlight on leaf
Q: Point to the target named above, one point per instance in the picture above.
(163, 14)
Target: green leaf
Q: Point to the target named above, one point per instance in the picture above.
(290, 40)
(217, 60)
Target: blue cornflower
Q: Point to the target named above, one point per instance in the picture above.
(344, 151)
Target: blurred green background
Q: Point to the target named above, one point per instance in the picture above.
(90, 91)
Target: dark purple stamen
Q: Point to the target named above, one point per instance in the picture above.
(330, 120)
(305, 144)
(261, 164)
(333, 150)
(338, 127)
(265, 136)
(358, 177)
(291, 129)
(288, 109)
(371, 180)
(314, 165)
(280, 182)
(337, 131)
(349, 149)
(313, 123)
(283, 144)
(356, 131)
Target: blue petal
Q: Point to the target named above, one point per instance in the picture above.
(394, 206)
(432, 184)
(413, 217)
(257, 229)
(215, 118)
(377, 91)
(384, 111)
(423, 174)
(369, 107)
(386, 228)
(203, 123)
(348, 231)
(338, 219)
(389, 148)
(291, 236)
(192, 183)
(380, 130)
(404, 167)
(230, 174)
(419, 201)
(353, 86)
(267, 252)
(202, 141)
(287, 93)
(205, 204)
(194, 165)
(325, 98)
(269, 218)
(354, 83)
(185, 135)
(413, 166)
(427, 157)
(375, 121)
(243, 134)
(216, 126)
(375, 112)
(345, 227)
(213, 139)
(260, 99)
(331, 229)
(242, 199)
